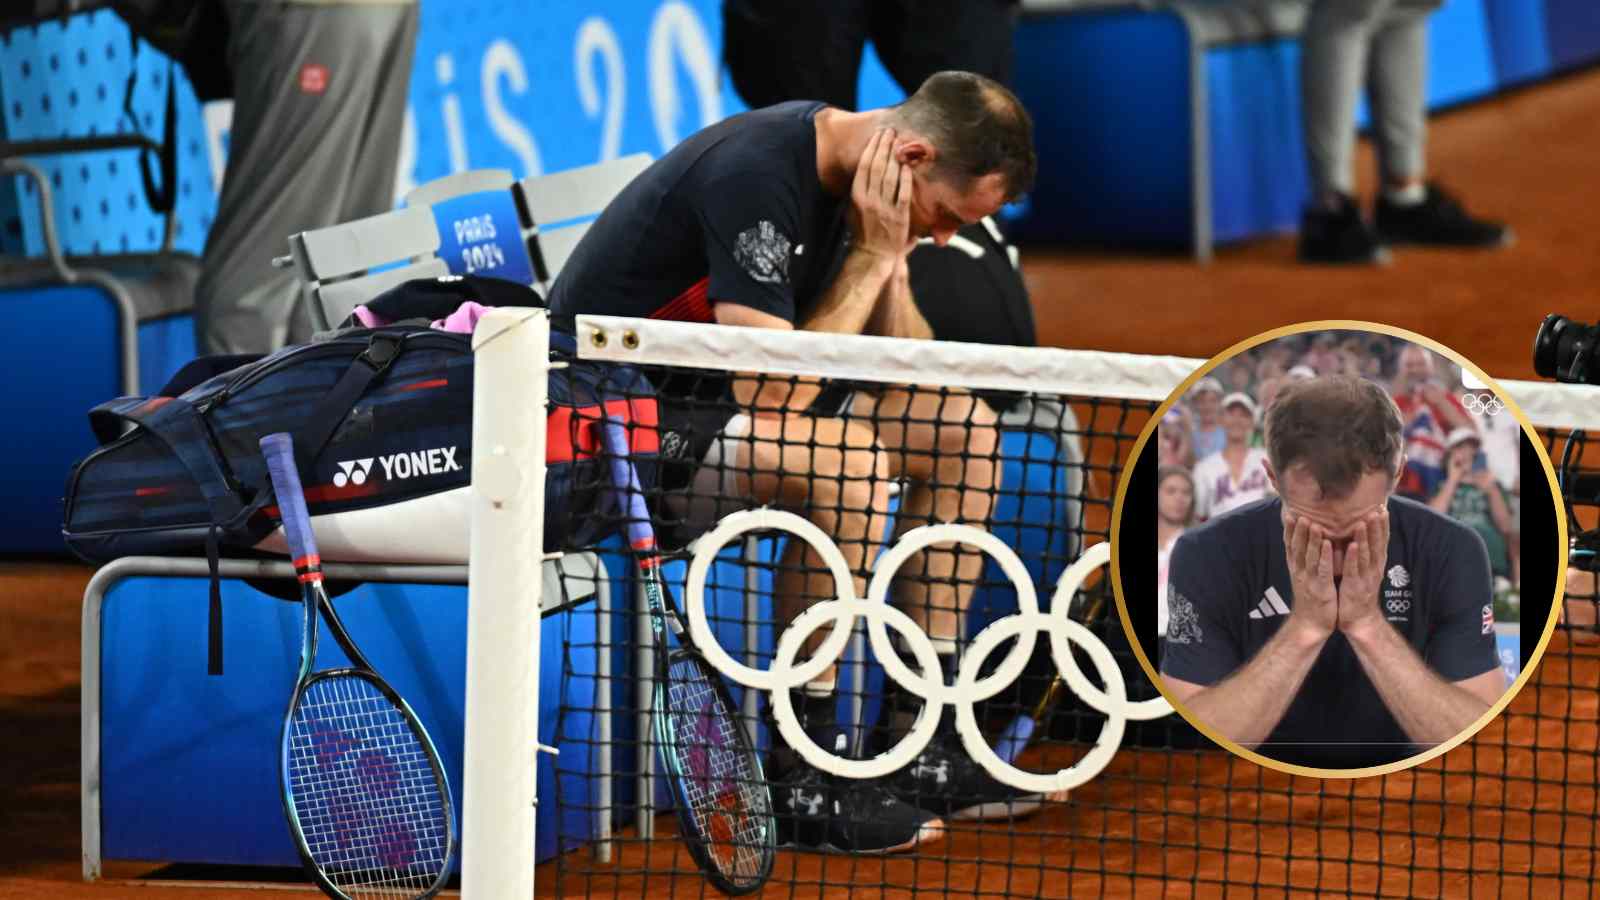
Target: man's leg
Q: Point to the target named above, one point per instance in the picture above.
(945, 446)
(1408, 210)
(319, 96)
(1333, 62)
(778, 50)
(834, 472)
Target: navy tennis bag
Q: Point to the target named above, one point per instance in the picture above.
(382, 421)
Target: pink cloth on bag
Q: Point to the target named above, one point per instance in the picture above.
(463, 321)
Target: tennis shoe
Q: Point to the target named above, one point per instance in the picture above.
(825, 813)
(1439, 220)
(945, 781)
(1340, 236)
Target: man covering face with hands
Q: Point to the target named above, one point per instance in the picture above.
(1335, 625)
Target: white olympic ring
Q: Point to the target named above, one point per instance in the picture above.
(783, 675)
(1397, 606)
(1485, 405)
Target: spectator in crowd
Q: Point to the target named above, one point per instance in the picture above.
(1322, 357)
(1237, 475)
(319, 100)
(1384, 44)
(1267, 391)
(1174, 513)
(1470, 495)
(1238, 375)
(1268, 366)
(1205, 402)
(1175, 438)
(1430, 413)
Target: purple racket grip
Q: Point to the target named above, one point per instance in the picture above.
(1015, 738)
(279, 451)
(630, 495)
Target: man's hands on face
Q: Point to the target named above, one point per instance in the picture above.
(1316, 601)
(1320, 608)
(880, 199)
(1360, 607)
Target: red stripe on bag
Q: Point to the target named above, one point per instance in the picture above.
(570, 431)
(422, 385)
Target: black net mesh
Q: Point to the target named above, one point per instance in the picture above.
(1509, 813)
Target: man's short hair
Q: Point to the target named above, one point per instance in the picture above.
(1341, 427)
(976, 126)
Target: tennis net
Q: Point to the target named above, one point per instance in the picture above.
(1022, 452)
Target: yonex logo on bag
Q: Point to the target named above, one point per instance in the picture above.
(352, 471)
(398, 466)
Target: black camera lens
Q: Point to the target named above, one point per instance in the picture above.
(1564, 350)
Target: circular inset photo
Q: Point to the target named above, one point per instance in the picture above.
(1337, 549)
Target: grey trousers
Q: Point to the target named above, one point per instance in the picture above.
(319, 103)
(1384, 45)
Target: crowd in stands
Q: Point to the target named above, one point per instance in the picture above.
(1463, 456)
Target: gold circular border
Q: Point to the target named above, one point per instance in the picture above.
(1116, 529)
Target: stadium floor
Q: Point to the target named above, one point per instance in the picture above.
(1527, 157)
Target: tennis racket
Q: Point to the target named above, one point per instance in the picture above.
(363, 790)
(719, 789)
(1017, 735)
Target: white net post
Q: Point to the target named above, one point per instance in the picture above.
(512, 349)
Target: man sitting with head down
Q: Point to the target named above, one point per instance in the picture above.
(801, 216)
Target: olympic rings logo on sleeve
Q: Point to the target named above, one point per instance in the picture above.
(784, 674)
(1485, 404)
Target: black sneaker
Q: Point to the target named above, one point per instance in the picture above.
(946, 781)
(1340, 236)
(1439, 220)
(817, 811)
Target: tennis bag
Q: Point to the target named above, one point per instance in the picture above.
(382, 423)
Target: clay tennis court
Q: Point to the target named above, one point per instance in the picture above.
(1510, 814)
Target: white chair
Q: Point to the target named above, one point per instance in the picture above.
(343, 266)
(562, 205)
(459, 184)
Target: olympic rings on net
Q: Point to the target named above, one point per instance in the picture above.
(1486, 404)
(783, 675)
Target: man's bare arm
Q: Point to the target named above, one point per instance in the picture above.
(765, 395)
(896, 313)
(1429, 709)
(1248, 704)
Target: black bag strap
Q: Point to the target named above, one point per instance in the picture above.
(177, 424)
(162, 198)
(367, 368)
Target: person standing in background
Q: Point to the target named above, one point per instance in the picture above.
(319, 102)
(1430, 413)
(1471, 496)
(1236, 475)
(1174, 514)
(1205, 400)
(1382, 44)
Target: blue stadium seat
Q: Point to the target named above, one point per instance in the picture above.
(95, 328)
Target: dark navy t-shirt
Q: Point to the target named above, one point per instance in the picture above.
(734, 213)
(1229, 593)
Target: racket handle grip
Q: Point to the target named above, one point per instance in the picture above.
(279, 450)
(625, 478)
(1015, 738)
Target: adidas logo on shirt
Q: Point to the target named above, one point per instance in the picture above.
(1271, 605)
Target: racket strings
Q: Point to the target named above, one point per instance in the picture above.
(723, 790)
(369, 808)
